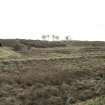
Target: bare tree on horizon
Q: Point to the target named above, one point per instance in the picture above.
(55, 37)
(44, 37)
(68, 37)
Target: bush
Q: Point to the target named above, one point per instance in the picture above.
(20, 47)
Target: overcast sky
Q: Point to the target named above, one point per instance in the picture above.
(82, 19)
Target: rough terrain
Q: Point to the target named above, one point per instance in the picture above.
(52, 73)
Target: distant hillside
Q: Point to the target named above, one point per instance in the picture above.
(30, 43)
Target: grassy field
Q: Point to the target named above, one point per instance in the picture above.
(72, 73)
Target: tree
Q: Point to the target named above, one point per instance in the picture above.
(43, 37)
(68, 37)
(53, 37)
(57, 37)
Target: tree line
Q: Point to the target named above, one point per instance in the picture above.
(55, 37)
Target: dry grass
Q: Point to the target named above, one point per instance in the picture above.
(8, 53)
(59, 76)
(97, 101)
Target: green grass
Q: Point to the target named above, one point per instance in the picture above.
(8, 53)
(96, 101)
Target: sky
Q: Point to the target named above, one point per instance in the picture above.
(30, 19)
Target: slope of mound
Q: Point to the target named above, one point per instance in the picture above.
(97, 101)
(8, 53)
